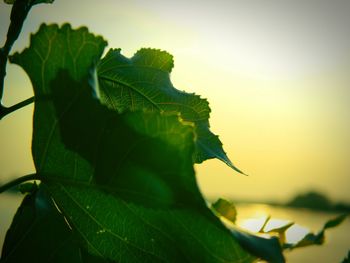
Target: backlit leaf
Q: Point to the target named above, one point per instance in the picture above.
(346, 259)
(39, 232)
(267, 248)
(125, 182)
(143, 82)
(318, 238)
(226, 209)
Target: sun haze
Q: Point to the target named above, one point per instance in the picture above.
(276, 74)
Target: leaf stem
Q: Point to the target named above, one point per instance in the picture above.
(19, 12)
(7, 110)
(18, 181)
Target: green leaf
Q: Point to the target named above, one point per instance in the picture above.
(319, 238)
(265, 248)
(39, 232)
(225, 209)
(268, 249)
(334, 222)
(125, 182)
(346, 259)
(143, 82)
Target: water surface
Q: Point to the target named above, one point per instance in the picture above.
(251, 216)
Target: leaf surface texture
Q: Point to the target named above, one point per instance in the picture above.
(124, 181)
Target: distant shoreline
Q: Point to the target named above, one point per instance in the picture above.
(310, 200)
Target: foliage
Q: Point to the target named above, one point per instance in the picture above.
(39, 225)
(319, 238)
(124, 181)
(143, 83)
(114, 144)
(228, 211)
(347, 259)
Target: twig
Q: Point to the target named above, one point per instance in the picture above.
(7, 110)
(19, 13)
(18, 181)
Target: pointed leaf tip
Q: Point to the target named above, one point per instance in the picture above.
(335, 221)
(154, 91)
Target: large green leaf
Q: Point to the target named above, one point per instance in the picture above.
(125, 182)
(143, 82)
(39, 231)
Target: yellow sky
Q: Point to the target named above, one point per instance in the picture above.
(276, 76)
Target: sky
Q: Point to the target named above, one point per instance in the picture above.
(276, 74)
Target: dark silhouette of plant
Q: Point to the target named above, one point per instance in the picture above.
(114, 145)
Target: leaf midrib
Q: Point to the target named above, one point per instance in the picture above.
(155, 104)
(127, 85)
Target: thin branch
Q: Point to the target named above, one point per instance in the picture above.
(25, 178)
(19, 13)
(7, 110)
